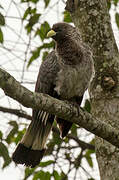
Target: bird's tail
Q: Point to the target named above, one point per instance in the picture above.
(64, 126)
(32, 146)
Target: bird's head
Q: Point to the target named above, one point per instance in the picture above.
(60, 31)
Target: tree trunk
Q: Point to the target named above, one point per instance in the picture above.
(92, 19)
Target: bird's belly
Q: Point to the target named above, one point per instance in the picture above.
(70, 83)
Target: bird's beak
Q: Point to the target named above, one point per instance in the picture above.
(51, 33)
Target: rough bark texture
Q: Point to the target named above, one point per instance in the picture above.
(92, 18)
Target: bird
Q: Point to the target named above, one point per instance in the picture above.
(65, 74)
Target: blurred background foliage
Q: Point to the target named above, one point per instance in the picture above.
(23, 47)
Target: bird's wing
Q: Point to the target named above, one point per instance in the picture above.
(32, 146)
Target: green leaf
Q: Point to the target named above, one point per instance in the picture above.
(47, 163)
(28, 28)
(29, 11)
(108, 4)
(32, 21)
(13, 124)
(10, 137)
(67, 155)
(116, 2)
(41, 175)
(26, 13)
(33, 11)
(90, 151)
(1, 36)
(1, 135)
(67, 17)
(56, 175)
(117, 19)
(4, 154)
(42, 32)
(56, 138)
(36, 52)
(87, 106)
(28, 172)
(19, 136)
(2, 20)
(47, 176)
(74, 129)
(46, 3)
(44, 55)
(1, 7)
(64, 176)
(50, 148)
(33, 1)
(89, 158)
(93, 143)
(35, 55)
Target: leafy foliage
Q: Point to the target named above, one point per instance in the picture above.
(2, 20)
(28, 172)
(46, 163)
(32, 21)
(46, 3)
(1, 36)
(43, 30)
(1, 135)
(42, 175)
(4, 154)
(117, 19)
(17, 137)
(67, 17)
(2, 23)
(33, 1)
(36, 52)
(87, 106)
(89, 158)
(11, 134)
(28, 11)
(116, 2)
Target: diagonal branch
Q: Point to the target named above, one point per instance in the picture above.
(23, 114)
(59, 108)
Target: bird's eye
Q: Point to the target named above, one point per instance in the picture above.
(58, 29)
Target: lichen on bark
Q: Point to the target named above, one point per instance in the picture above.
(92, 19)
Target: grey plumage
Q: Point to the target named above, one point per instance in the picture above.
(65, 74)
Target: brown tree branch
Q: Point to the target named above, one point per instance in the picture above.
(23, 114)
(59, 108)
(82, 144)
(16, 112)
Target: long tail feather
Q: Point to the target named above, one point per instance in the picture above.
(32, 146)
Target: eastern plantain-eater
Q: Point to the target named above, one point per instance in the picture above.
(65, 74)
